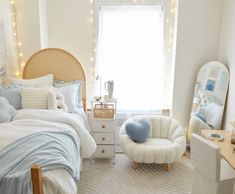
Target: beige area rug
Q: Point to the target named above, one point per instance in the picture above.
(103, 177)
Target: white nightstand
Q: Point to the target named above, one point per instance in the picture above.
(103, 126)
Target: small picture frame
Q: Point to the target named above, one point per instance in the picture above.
(210, 85)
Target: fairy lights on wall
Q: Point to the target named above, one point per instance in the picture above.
(93, 37)
(18, 43)
(171, 24)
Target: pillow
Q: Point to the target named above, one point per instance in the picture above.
(7, 111)
(56, 101)
(12, 94)
(72, 93)
(138, 130)
(200, 116)
(39, 82)
(35, 98)
(213, 115)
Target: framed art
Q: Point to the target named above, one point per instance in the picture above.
(210, 85)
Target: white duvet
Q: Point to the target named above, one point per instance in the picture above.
(27, 121)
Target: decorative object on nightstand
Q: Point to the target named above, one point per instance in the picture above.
(103, 126)
(109, 88)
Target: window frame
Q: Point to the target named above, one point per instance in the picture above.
(166, 6)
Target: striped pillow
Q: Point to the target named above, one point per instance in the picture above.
(35, 98)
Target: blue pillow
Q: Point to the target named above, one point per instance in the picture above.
(6, 110)
(138, 130)
(78, 83)
(12, 94)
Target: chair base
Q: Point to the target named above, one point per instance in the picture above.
(135, 165)
(168, 167)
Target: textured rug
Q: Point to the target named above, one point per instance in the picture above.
(103, 177)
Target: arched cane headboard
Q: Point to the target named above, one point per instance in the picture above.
(63, 65)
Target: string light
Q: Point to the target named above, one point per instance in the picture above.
(93, 38)
(18, 44)
(170, 21)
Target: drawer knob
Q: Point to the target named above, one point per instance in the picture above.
(102, 151)
(103, 138)
(103, 126)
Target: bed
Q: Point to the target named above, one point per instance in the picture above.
(28, 122)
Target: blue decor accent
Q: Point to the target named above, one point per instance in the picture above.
(138, 130)
(6, 110)
(12, 94)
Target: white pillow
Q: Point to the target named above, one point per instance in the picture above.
(213, 115)
(39, 82)
(78, 83)
(35, 98)
(56, 101)
(70, 95)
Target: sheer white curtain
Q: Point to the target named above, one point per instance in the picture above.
(130, 52)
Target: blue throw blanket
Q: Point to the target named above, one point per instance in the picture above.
(52, 150)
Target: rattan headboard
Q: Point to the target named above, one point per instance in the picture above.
(60, 63)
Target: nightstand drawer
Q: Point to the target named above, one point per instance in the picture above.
(103, 125)
(104, 151)
(104, 138)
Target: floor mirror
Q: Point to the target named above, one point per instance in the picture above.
(209, 97)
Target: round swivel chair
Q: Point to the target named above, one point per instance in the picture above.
(165, 144)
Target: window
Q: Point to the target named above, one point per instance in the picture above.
(130, 47)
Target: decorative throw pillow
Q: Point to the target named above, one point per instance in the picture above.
(12, 94)
(56, 101)
(138, 130)
(7, 111)
(39, 82)
(70, 95)
(77, 84)
(213, 114)
(35, 98)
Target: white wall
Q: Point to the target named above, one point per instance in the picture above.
(28, 26)
(69, 28)
(199, 23)
(227, 55)
(43, 23)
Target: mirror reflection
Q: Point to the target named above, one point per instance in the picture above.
(209, 97)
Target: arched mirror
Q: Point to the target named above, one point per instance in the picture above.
(209, 97)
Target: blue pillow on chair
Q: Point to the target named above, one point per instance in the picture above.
(138, 130)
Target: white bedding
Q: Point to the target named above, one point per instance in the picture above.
(27, 121)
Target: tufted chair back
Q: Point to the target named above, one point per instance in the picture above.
(160, 126)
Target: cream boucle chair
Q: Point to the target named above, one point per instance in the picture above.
(165, 144)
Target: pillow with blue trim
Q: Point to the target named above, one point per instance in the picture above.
(72, 92)
(7, 111)
(138, 130)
